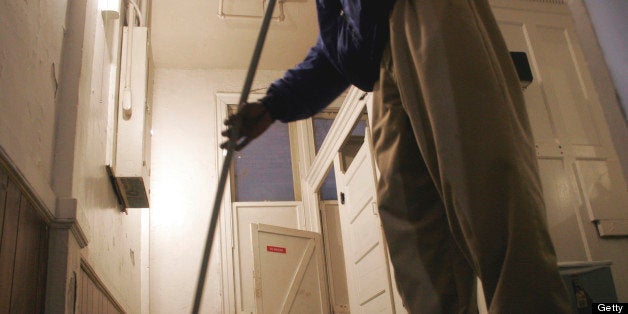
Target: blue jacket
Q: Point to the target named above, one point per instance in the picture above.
(352, 37)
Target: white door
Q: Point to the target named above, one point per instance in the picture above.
(585, 193)
(369, 278)
(581, 175)
(289, 271)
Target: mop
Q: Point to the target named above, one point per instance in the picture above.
(234, 130)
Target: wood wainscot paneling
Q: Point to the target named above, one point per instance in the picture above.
(93, 295)
(23, 251)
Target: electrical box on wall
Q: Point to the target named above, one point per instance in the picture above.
(131, 171)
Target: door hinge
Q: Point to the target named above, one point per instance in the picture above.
(342, 198)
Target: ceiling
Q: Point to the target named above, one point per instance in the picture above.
(189, 34)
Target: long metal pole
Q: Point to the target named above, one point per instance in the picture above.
(246, 89)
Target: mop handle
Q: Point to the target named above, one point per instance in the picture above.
(246, 89)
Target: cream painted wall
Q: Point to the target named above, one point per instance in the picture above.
(601, 74)
(114, 249)
(31, 55)
(183, 184)
(31, 35)
(609, 21)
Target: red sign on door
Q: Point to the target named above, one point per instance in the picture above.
(276, 249)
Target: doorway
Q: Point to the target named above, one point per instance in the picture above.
(329, 199)
(344, 164)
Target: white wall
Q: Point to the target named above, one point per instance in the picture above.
(599, 67)
(31, 35)
(114, 249)
(183, 184)
(609, 21)
(31, 56)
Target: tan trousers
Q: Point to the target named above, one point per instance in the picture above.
(459, 191)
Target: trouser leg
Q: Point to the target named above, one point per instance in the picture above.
(431, 273)
(459, 90)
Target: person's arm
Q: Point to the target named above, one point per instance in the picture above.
(302, 92)
(306, 89)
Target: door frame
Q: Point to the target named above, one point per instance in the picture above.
(227, 244)
(228, 230)
(350, 112)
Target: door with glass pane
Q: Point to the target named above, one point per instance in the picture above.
(263, 189)
(370, 280)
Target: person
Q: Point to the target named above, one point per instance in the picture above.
(459, 192)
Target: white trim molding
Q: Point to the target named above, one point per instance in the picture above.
(67, 209)
(351, 109)
(341, 127)
(612, 227)
(223, 101)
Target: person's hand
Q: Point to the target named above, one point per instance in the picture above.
(251, 121)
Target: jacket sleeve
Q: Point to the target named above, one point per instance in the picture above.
(306, 89)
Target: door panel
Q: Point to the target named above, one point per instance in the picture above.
(564, 85)
(517, 34)
(289, 270)
(560, 200)
(597, 183)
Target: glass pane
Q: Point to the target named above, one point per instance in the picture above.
(321, 128)
(263, 169)
(352, 145)
(328, 189)
(358, 129)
